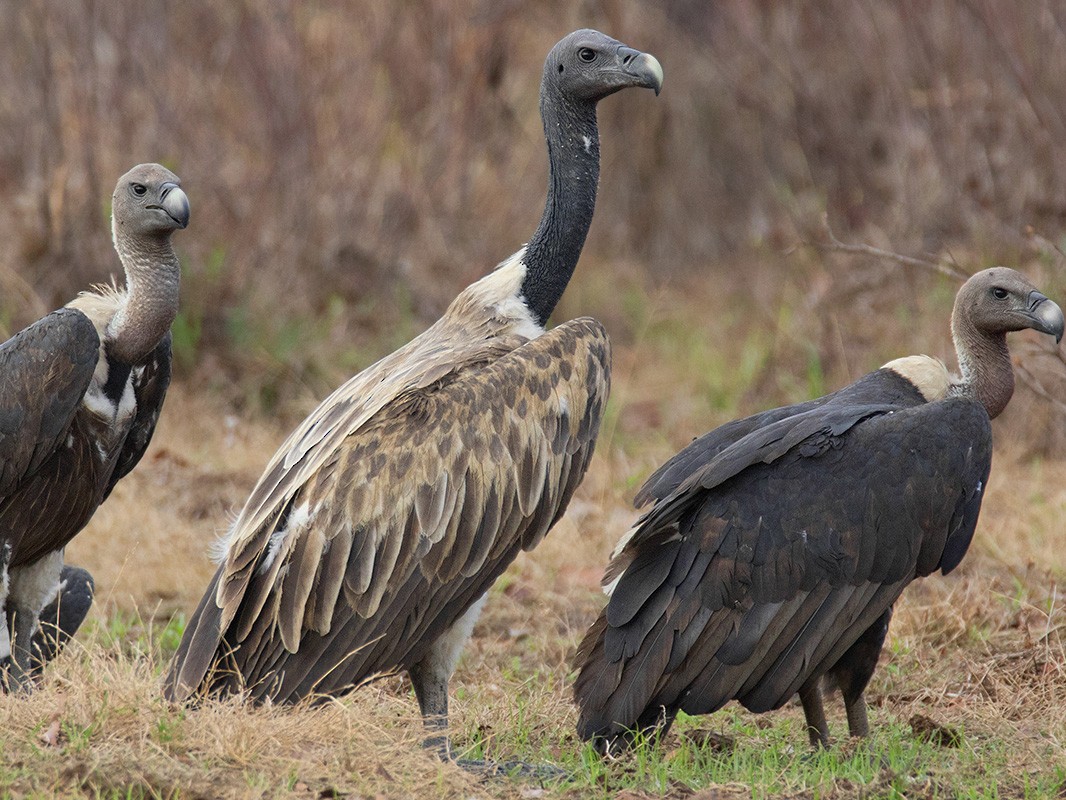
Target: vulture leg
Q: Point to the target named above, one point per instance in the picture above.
(853, 671)
(430, 678)
(31, 587)
(61, 618)
(20, 669)
(817, 728)
(431, 689)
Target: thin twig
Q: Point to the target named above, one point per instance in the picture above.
(1030, 380)
(832, 243)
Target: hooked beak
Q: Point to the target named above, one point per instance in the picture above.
(644, 68)
(1046, 316)
(175, 203)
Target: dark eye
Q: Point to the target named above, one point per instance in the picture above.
(587, 54)
(139, 189)
(1000, 293)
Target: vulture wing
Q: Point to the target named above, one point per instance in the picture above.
(46, 370)
(408, 521)
(883, 386)
(769, 560)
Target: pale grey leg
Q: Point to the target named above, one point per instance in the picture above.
(430, 678)
(23, 624)
(31, 587)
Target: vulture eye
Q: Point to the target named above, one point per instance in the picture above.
(1000, 293)
(587, 54)
(139, 189)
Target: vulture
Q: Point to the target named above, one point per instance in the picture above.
(81, 393)
(369, 542)
(776, 545)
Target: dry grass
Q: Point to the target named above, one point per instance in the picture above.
(981, 650)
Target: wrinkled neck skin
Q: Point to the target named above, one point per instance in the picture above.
(984, 364)
(573, 173)
(153, 281)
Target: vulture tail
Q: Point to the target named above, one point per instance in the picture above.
(196, 655)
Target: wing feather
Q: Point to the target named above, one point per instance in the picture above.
(775, 555)
(46, 370)
(430, 497)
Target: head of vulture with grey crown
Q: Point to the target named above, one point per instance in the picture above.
(989, 305)
(583, 68)
(147, 206)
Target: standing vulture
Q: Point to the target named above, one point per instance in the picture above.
(777, 544)
(369, 542)
(80, 396)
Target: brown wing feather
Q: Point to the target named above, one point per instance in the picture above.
(431, 499)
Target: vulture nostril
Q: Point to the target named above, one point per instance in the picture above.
(627, 59)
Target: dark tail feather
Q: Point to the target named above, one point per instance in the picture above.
(199, 649)
(596, 683)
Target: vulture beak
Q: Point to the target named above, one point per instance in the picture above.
(175, 203)
(644, 68)
(1046, 316)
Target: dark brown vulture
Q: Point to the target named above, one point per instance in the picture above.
(777, 544)
(79, 400)
(370, 541)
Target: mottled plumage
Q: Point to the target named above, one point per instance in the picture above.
(776, 545)
(409, 520)
(80, 397)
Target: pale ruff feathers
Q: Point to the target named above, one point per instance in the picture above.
(928, 375)
(501, 290)
(101, 306)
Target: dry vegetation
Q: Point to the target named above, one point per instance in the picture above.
(352, 166)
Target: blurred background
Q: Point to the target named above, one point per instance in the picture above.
(352, 165)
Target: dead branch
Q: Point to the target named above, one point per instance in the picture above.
(1030, 380)
(833, 244)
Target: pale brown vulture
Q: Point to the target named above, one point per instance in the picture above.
(370, 541)
(778, 544)
(80, 396)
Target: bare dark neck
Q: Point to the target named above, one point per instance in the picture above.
(984, 361)
(573, 173)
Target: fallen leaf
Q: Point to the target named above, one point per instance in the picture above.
(51, 734)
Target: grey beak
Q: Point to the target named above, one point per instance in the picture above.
(644, 67)
(1046, 315)
(175, 203)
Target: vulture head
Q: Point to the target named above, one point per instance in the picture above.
(1000, 300)
(148, 205)
(587, 65)
(988, 306)
(148, 202)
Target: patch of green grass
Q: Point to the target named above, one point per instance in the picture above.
(768, 753)
(128, 633)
